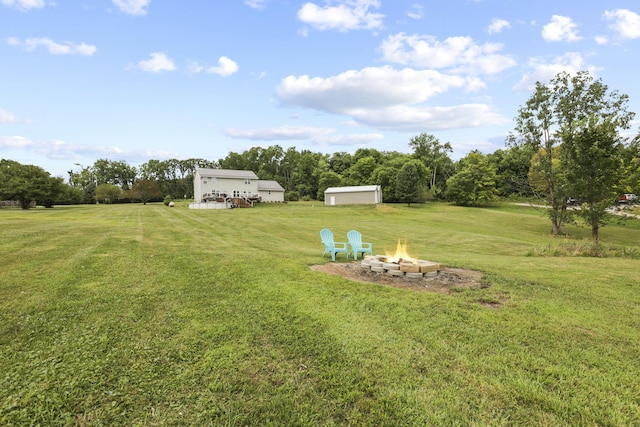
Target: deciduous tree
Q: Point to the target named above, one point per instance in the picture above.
(27, 184)
(475, 183)
(590, 120)
(567, 121)
(410, 182)
(536, 126)
(435, 157)
(145, 190)
(108, 193)
(328, 179)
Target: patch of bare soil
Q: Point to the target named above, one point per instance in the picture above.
(445, 280)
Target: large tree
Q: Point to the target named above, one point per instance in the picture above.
(28, 184)
(84, 180)
(594, 153)
(386, 176)
(536, 125)
(591, 118)
(328, 179)
(560, 121)
(116, 172)
(512, 168)
(145, 190)
(475, 182)
(360, 172)
(410, 182)
(108, 193)
(595, 172)
(435, 157)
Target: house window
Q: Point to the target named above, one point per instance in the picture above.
(247, 181)
(204, 182)
(236, 193)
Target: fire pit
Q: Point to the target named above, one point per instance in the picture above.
(400, 264)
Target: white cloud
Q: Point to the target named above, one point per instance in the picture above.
(158, 62)
(23, 5)
(279, 133)
(320, 136)
(56, 149)
(349, 140)
(60, 150)
(543, 71)
(561, 28)
(497, 25)
(429, 118)
(416, 11)
(225, 67)
(15, 142)
(345, 16)
(54, 48)
(255, 4)
(624, 22)
(388, 98)
(7, 117)
(373, 87)
(601, 40)
(460, 54)
(133, 7)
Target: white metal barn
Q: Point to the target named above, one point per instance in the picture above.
(355, 195)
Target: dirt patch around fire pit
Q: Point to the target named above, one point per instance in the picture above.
(444, 282)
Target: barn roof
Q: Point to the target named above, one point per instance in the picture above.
(353, 189)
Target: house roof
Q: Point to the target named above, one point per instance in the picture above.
(269, 186)
(353, 189)
(226, 173)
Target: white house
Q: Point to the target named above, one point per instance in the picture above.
(232, 188)
(270, 191)
(224, 183)
(355, 195)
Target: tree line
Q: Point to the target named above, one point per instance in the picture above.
(568, 142)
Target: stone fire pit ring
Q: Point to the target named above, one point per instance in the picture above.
(410, 270)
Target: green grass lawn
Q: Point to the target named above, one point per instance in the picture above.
(149, 315)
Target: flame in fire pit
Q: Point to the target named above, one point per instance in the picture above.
(400, 255)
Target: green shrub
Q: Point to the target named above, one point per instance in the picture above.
(292, 196)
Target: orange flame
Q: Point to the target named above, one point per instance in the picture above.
(400, 254)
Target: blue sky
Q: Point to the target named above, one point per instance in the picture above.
(136, 80)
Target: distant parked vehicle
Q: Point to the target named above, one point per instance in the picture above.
(628, 198)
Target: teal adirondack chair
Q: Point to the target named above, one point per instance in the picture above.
(355, 240)
(332, 247)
